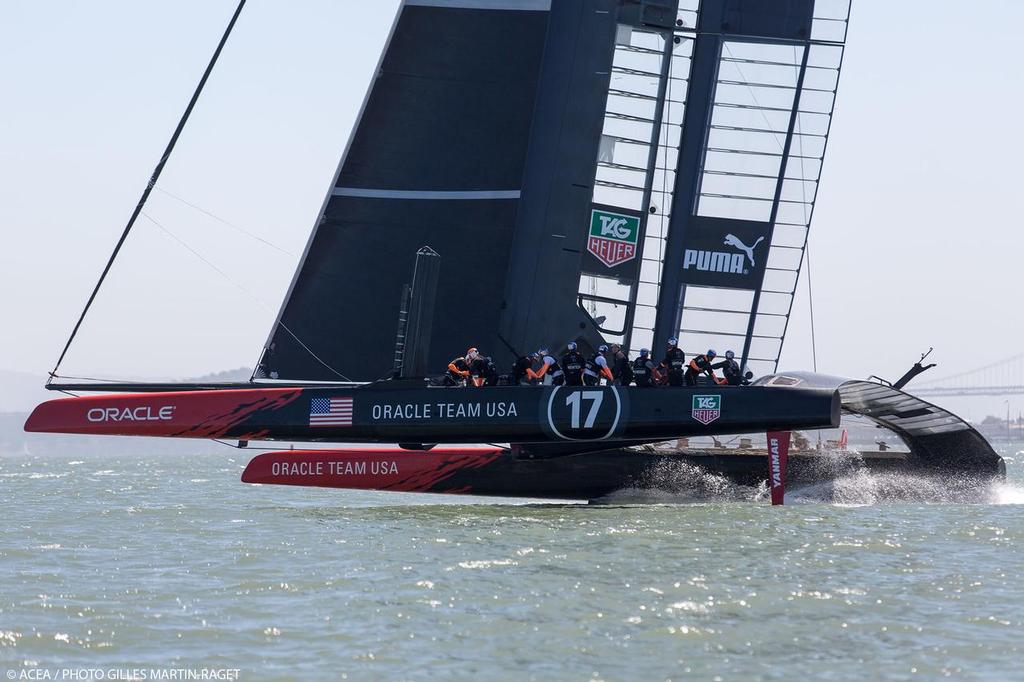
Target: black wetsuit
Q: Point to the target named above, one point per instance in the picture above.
(454, 378)
(642, 374)
(675, 364)
(731, 371)
(703, 363)
(554, 370)
(572, 365)
(484, 369)
(519, 375)
(622, 370)
(592, 371)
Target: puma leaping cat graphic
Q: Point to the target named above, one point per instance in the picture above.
(733, 240)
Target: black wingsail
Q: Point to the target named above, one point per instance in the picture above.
(588, 170)
(436, 159)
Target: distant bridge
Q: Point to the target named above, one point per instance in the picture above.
(1005, 377)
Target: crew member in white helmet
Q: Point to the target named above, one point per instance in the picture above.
(597, 368)
(549, 367)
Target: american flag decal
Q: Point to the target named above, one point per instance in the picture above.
(330, 412)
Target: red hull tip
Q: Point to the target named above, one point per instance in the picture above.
(181, 414)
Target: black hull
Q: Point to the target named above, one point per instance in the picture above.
(585, 476)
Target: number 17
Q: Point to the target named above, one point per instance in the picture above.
(576, 398)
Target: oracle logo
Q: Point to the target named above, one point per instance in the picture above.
(144, 413)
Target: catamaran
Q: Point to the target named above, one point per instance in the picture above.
(521, 171)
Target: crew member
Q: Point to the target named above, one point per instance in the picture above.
(572, 365)
(549, 367)
(458, 369)
(701, 365)
(730, 369)
(622, 370)
(674, 363)
(645, 372)
(491, 376)
(522, 371)
(483, 371)
(597, 367)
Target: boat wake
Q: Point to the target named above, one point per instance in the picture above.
(684, 482)
(869, 488)
(681, 482)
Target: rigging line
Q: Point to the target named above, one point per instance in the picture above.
(100, 381)
(149, 185)
(807, 243)
(753, 96)
(243, 290)
(279, 448)
(666, 129)
(810, 304)
(229, 224)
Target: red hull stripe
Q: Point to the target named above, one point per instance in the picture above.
(186, 414)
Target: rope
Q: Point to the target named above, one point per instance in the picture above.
(807, 225)
(245, 291)
(753, 96)
(149, 186)
(225, 222)
(810, 304)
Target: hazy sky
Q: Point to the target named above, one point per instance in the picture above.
(916, 239)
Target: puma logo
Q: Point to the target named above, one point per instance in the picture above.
(733, 240)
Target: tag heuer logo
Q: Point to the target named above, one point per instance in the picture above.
(707, 408)
(613, 237)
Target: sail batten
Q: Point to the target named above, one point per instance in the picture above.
(451, 195)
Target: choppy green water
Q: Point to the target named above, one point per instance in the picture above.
(156, 562)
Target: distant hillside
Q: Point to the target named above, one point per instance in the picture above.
(20, 392)
(240, 374)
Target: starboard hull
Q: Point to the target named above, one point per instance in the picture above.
(380, 413)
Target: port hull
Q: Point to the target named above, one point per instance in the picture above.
(594, 475)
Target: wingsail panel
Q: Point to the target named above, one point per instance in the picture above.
(436, 159)
(588, 170)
